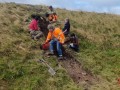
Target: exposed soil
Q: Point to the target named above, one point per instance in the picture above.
(75, 70)
(3, 85)
(78, 74)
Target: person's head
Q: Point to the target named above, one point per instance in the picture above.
(37, 17)
(33, 16)
(72, 35)
(54, 13)
(58, 25)
(66, 20)
(51, 8)
(51, 28)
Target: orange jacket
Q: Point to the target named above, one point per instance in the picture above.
(57, 33)
(55, 17)
(52, 17)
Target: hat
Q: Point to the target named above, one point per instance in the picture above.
(50, 7)
(50, 27)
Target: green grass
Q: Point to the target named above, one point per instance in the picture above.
(99, 38)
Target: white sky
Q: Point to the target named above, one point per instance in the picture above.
(108, 6)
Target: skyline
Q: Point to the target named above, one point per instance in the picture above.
(100, 6)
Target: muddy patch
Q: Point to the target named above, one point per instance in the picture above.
(80, 76)
(3, 85)
(75, 70)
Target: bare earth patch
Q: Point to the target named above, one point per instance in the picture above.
(78, 74)
(3, 85)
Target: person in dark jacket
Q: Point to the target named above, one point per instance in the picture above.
(51, 10)
(66, 28)
(74, 42)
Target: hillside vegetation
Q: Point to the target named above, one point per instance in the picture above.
(99, 37)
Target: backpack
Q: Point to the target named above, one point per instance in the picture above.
(44, 46)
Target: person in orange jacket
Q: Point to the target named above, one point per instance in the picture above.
(52, 17)
(55, 17)
(55, 37)
(51, 14)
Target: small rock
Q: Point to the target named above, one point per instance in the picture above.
(83, 73)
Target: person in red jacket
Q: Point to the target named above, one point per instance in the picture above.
(33, 27)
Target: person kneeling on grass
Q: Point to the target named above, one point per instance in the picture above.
(34, 29)
(74, 42)
(55, 37)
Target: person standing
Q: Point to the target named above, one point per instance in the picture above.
(51, 10)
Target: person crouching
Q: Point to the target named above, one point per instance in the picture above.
(55, 37)
(74, 42)
(34, 29)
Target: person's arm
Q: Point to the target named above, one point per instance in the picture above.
(61, 38)
(48, 37)
(66, 27)
(55, 17)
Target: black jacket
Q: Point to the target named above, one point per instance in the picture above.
(66, 27)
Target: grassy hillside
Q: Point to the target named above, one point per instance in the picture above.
(99, 43)
(99, 36)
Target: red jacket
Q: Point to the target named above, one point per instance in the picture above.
(33, 25)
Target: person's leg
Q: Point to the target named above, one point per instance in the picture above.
(51, 47)
(76, 48)
(59, 48)
(38, 34)
(32, 33)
